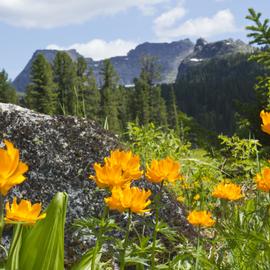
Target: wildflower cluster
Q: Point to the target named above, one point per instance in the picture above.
(12, 172)
(117, 174)
(201, 218)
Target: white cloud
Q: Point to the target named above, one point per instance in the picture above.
(52, 13)
(222, 22)
(169, 18)
(99, 49)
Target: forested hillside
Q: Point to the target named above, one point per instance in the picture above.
(214, 86)
(213, 91)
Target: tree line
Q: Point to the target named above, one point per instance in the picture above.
(68, 87)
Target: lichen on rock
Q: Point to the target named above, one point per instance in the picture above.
(60, 152)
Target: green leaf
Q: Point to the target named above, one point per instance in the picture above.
(41, 246)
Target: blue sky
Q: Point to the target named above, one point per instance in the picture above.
(104, 28)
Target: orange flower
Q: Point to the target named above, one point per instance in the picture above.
(201, 218)
(107, 176)
(129, 163)
(263, 180)
(23, 212)
(265, 116)
(11, 168)
(165, 169)
(227, 191)
(118, 170)
(132, 198)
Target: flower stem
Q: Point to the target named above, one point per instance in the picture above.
(100, 232)
(156, 227)
(197, 253)
(123, 253)
(1, 216)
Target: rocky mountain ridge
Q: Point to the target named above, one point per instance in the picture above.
(172, 58)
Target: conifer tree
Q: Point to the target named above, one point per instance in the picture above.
(7, 92)
(158, 114)
(149, 104)
(109, 98)
(81, 86)
(40, 95)
(66, 79)
(91, 100)
(172, 111)
(141, 106)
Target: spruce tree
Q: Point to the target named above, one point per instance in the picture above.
(172, 111)
(157, 107)
(40, 95)
(81, 86)
(66, 79)
(141, 105)
(149, 104)
(91, 99)
(7, 92)
(109, 98)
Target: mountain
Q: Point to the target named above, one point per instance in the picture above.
(23, 79)
(215, 81)
(204, 51)
(169, 56)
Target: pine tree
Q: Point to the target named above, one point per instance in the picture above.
(149, 104)
(66, 79)
(91, 100)
(40, 95)
(109, 98)
(172, 111)
(81, 86)
(7, 92)
(157, 107)
(141, 105)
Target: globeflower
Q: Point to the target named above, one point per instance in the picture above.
(201, 218)
(227, 191)
(263, 180)
(129, 163)
(109, 176)
(118, 170)
(165, 169)
(11, 168)
(265, 116)
(23, 212)
(129, 198)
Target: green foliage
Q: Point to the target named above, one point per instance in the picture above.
(259, 32)
(7, 92)
(41, 246)
(152, 142)
(100, 228)
(239, 148)
(210, 92)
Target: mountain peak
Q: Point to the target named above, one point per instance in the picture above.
(128, 67)
(200, 43)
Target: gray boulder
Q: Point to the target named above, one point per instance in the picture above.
(60, 152)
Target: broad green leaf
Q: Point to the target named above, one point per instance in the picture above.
(42, 245)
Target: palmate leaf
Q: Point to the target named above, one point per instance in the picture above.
(86, 261)
(42, 245)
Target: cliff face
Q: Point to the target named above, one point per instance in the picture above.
(128, 67)
(60, 152)
(204, 51)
